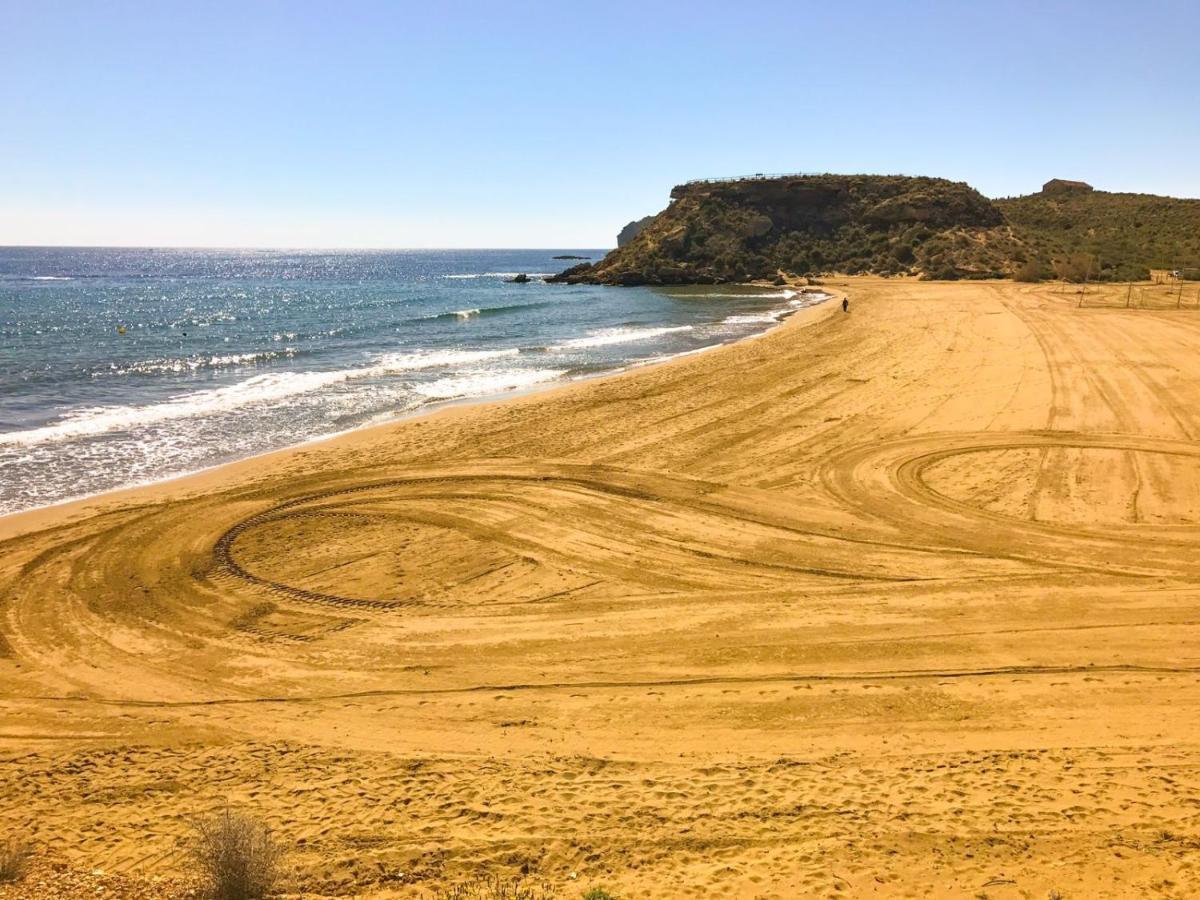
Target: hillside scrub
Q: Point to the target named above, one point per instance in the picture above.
(715, 232)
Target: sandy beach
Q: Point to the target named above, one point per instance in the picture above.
(895, 603)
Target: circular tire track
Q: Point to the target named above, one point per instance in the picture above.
(887, 481)
(684, 560)
(224, 557)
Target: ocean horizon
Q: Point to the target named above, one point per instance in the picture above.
(124, 366)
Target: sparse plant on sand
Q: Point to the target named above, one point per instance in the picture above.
(14, 859)
(496, 888)
(598, 893)
(1032, 271)
(237, 856)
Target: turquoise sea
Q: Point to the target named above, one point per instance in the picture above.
(120, 367)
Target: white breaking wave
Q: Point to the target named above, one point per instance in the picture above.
(103, 419)
(466, 313)
(501, 275)
(478, 384)
(432, 359)
(51, 278)
(258, 389)
(616, 336)
(193, 363)
(766, 318)
(772, 316)
(785, 294)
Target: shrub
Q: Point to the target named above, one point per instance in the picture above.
(14, 860)
(1075, 267)
(942, 272)
(1127, 272)
(598, 893)
(1030, 272)
(237, 856)
(496, 888)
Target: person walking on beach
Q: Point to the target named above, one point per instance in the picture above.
(846, 304)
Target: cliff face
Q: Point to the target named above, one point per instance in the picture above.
(632, 230)
(755, 228)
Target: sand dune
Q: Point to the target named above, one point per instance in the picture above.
(895, 603)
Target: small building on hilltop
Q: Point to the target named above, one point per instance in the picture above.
(1063, 186)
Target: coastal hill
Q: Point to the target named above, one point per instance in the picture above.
(1125, 234)
(754, 228)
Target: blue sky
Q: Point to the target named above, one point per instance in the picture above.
(518, 124)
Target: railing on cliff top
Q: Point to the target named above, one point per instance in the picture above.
(768, 176)
(757, 176)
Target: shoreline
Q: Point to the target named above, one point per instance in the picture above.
(12, 524)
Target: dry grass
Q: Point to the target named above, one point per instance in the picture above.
(497, 888)
(14, 859)
(236, 855)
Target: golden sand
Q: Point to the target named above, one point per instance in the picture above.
(895, 603)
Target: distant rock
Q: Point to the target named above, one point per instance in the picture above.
(632, 230)
(568, 256)
(520, 279)
(573, 275)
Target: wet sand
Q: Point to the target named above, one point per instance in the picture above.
(895, 603)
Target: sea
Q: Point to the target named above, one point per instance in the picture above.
(121, 367)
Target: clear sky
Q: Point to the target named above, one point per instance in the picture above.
(521, 124)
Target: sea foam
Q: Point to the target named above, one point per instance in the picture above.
(611, 336)
(478, 384)
(256, 390)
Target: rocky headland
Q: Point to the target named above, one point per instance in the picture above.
(766, 228)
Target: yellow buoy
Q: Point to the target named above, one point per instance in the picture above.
(121, 329)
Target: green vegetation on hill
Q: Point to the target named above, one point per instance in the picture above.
(1124, 235)
(888, 224)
